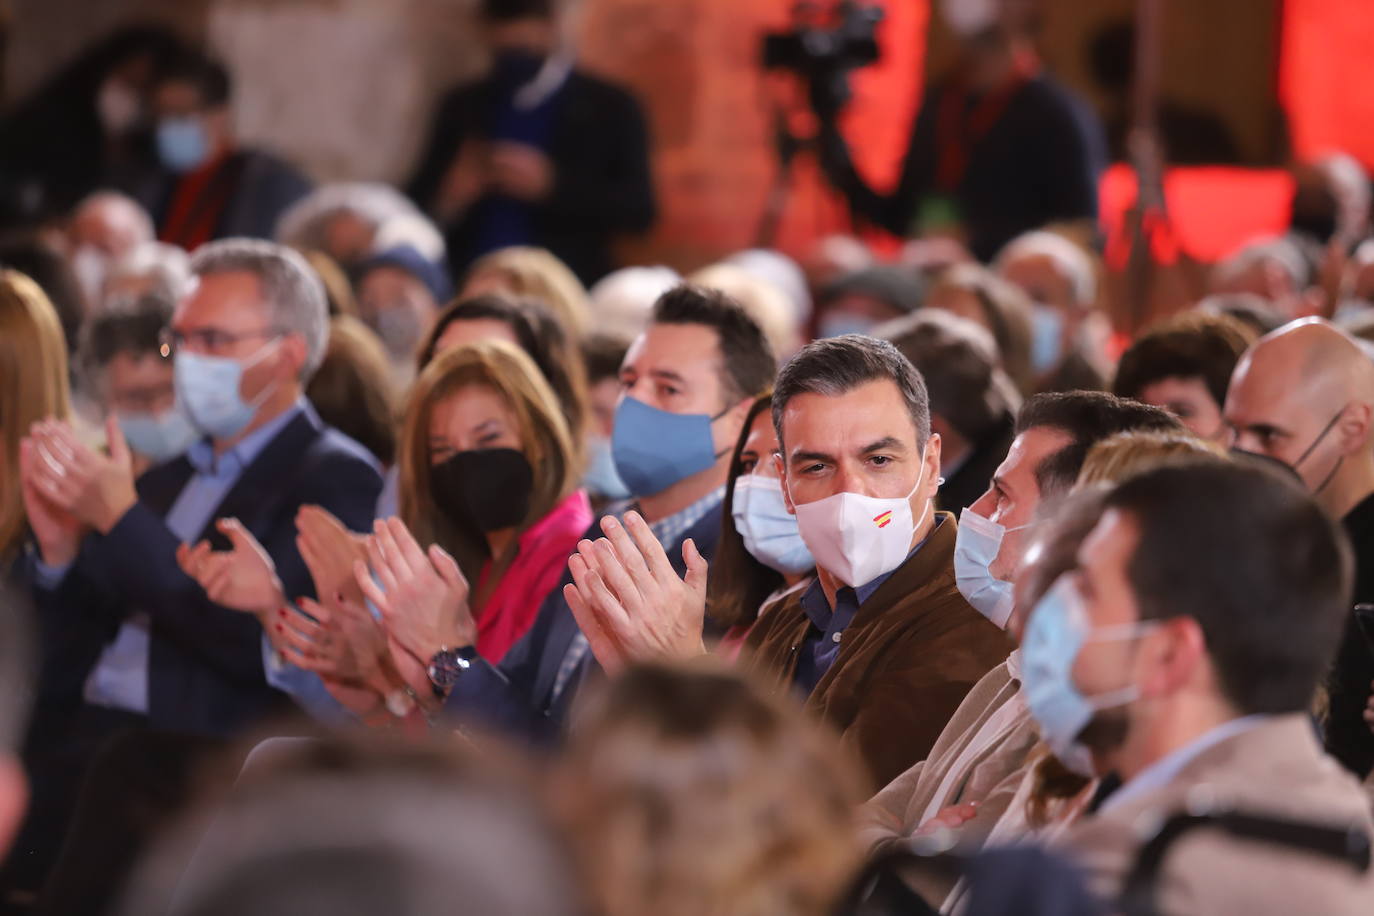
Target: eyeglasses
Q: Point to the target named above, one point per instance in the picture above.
(211, 341)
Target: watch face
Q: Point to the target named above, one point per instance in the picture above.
(446, 667)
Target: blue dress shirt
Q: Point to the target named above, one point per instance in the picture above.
(821, 646)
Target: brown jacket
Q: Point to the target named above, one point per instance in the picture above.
(912, 652)
(1276, 768)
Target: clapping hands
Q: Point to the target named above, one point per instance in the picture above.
(629, 601)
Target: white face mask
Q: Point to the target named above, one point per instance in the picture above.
(858, 538)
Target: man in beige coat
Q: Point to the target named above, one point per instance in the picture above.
(1182, 654)
(980, 755)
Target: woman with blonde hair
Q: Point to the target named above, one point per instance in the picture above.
(33, 387)
(489, 473)
(526, 272)
(1127, 454)
(689, 791)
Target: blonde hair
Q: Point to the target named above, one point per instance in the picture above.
(33, 386)
(536, 273)
(1127, 454)
(544, 439)
(689, 790)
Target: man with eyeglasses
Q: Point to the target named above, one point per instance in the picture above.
(1304, 395)
(130, 640)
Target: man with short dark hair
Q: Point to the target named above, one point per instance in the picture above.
(207, 186)
(981, 754)
(1184, 365)
(537, 152)
(973, 403)
(884, 624)
(881, 645)
(124, 369)
(1183, 655)
(687, 384)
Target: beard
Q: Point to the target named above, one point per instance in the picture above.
(1106, 732)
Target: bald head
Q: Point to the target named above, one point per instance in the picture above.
(111, 223)
(1304, 395)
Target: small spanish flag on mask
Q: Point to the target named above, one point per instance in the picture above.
(883, 519)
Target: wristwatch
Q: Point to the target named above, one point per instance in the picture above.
(447, 666)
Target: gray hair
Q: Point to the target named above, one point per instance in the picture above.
(1281, 251)
(163, 271)
(1070, 260)
(837, 365)
(303, 225)
(290, 288)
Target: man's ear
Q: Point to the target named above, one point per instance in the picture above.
(1354, 428)
(14, 799)
(1174, 657)
(932, 468)
(295, 353)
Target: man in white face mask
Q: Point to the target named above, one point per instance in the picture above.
(884, 623)
(861, 469)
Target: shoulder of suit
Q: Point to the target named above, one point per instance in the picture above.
(332, 448)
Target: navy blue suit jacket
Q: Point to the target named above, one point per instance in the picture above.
(516, 697)
(205, 673)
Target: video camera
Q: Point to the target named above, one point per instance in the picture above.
(825, 53)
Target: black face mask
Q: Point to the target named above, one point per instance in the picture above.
(488, 489)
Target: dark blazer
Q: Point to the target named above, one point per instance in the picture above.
(602, 183)
(909, 657)
(516, 697)
(264, 187)
(1348, 737)
(205, 672)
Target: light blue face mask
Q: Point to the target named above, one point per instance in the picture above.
(655, 449)
(976, 545)
(601, 477)
(1047, 337)
(837, 324)
(208, 386)
(182, 143)
(1057, 631)
(158, 437)
(769, 531)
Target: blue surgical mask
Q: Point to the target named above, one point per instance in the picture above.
(209, 388)
(769, 531)
(1047, 336)
(655, 449)
(601, 477)
(182, 143)
(837, 324)
(1057, 631)
(158, 437)
(976, 546)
